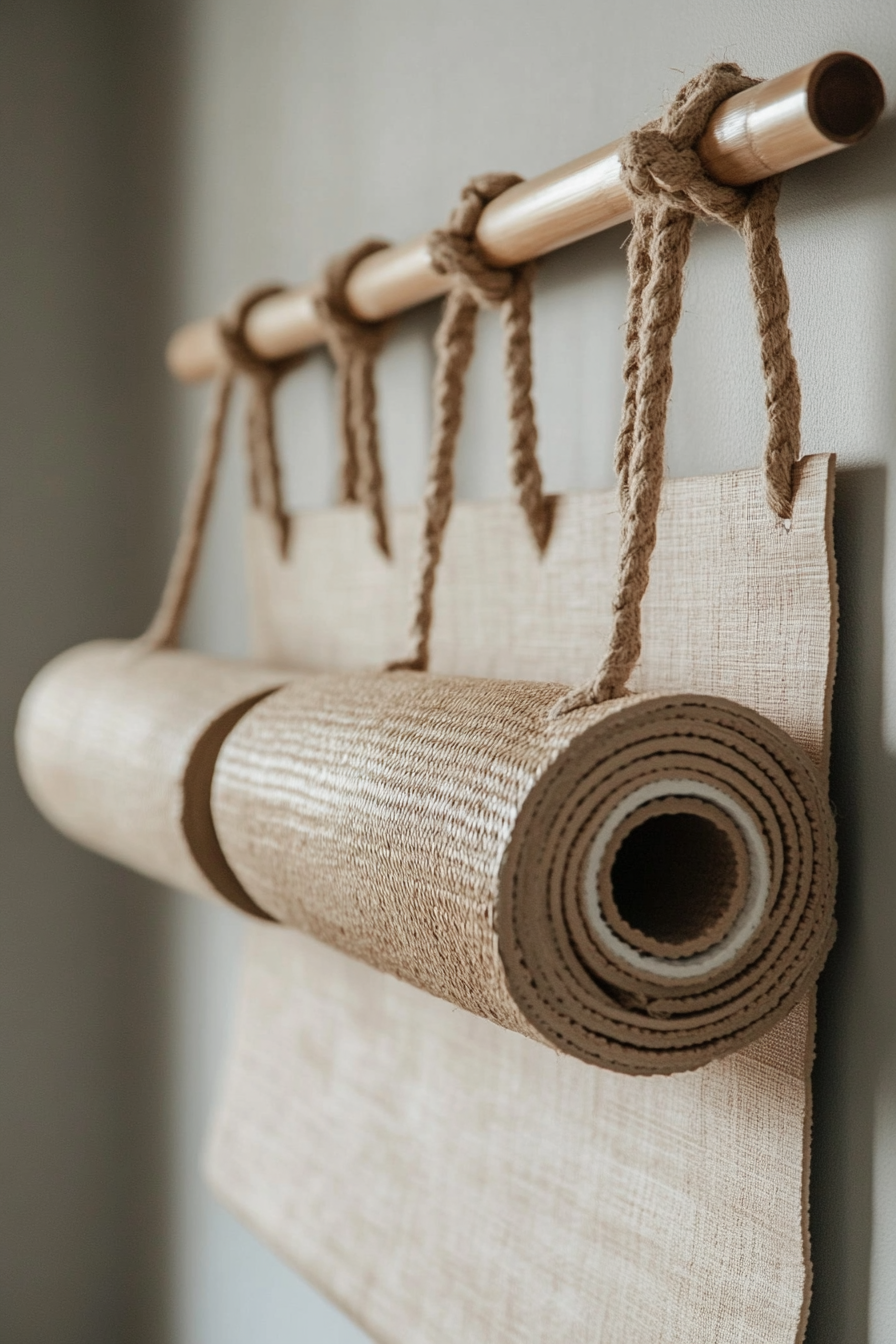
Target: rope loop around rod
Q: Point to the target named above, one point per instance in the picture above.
(670, 189)
(454, 250)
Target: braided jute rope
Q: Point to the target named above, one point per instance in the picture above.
(263, 458)
(354, 346)
(264, 377)
(670, 189)
(475, 284)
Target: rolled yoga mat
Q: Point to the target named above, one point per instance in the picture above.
(646, 884)
(117, 744)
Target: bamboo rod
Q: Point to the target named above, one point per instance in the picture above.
(820, 108)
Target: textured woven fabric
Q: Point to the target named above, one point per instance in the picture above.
(442, 1178)
(117, 745)
(738, 605)
(449, 831)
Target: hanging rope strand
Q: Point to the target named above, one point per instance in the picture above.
(165, 628)
(771, 300)
(525, 470)
(367, 438)
(670, 188)
(354, 346)
(263, 461)
(476, 284)
(639, 270)
(454, 345)
(265, 376)
(670, 230)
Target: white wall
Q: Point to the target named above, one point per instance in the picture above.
(303, 125)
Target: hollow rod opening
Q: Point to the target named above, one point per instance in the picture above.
(845, 97)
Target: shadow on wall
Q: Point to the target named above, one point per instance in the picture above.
(857, 994)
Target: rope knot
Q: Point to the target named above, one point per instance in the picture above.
(454, 251)
(347, 333)
(655, 169)
(653, 166)
(660, 162)
(240, 354)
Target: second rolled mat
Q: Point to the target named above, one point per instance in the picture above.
(646, 884)
(117, 747)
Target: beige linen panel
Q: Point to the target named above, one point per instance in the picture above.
(442, 1178)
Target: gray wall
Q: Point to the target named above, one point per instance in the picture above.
(82, 155)
(260, 139)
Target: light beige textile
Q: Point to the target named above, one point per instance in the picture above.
(738, 605)
(444, 1179)
(116, 745)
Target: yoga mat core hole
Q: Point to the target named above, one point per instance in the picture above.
(674, 877)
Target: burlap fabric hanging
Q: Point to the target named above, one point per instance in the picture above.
(523, 1195)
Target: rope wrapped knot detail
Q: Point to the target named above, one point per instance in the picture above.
(670, 189)
(476, 284)
(261, 447)
(354, 346)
